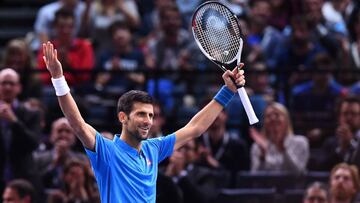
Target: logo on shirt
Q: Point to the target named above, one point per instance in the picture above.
(148, 162)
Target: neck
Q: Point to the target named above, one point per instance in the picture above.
(134, 143)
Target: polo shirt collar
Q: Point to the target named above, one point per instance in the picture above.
(126, 147)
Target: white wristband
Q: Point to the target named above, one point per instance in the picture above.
(61, 86)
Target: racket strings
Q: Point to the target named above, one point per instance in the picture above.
(218, 33)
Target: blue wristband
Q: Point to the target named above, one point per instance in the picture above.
(224, 96)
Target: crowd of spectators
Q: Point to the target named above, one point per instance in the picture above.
(302, 60)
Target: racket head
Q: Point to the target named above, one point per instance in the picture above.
(217, 32)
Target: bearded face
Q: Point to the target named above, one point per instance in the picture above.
(342, 185)
(139, 121)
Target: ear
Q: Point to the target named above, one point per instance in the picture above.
(122, 117)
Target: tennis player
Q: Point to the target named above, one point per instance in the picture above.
(126, 167)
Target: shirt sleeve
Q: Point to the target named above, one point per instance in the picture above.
(101, 156)
(297, 153)
(165, 146)
(255, 154)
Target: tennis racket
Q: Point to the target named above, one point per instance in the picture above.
(217, 33)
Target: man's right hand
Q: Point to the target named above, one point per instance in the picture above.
(344, 135)
(51, 60)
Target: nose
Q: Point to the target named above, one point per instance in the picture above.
(148, 119)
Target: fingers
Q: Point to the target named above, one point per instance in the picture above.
(48, 51)
(241, 65)
(238, 75)
(46, 63)
(240, 80)
(55, 54)
(51, 51)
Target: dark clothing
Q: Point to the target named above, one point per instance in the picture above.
(31, 86)
(50, 174)
(317, 112)
(18, 141)
(167, 190)
(201, 184)
(334, 155)
(228, 150)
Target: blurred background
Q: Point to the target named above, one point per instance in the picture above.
(302, 67)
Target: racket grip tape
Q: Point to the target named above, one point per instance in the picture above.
(247, 106)
(224, 96)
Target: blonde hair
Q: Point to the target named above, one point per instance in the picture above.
(283, 110)
(21, 45)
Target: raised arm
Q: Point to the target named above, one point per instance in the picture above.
(206, 116)
(83, 131)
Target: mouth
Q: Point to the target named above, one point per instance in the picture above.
(144, 129)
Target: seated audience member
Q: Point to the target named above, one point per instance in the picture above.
(75, 54)
(259, 82)
(122, 56)
(263, 39)
(198, 184)
(50, 162)
(312, 102)
(276, 148)
(165, 48)
(19, 131)
(18, 56)
(316, 193)
(224, 149)
(43, 25)
(320, 30)
(344, 183)
(104, 13)
(344, 146)
(164, 52)
(19, 191)
(78, 185)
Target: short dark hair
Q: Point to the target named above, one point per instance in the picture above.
(63, 13)
(127, 100)
(352, 99)
(171, 7)
(118, 25)
(318, 185)
(23, 188)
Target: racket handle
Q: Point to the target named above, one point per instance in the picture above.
(247, 106)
